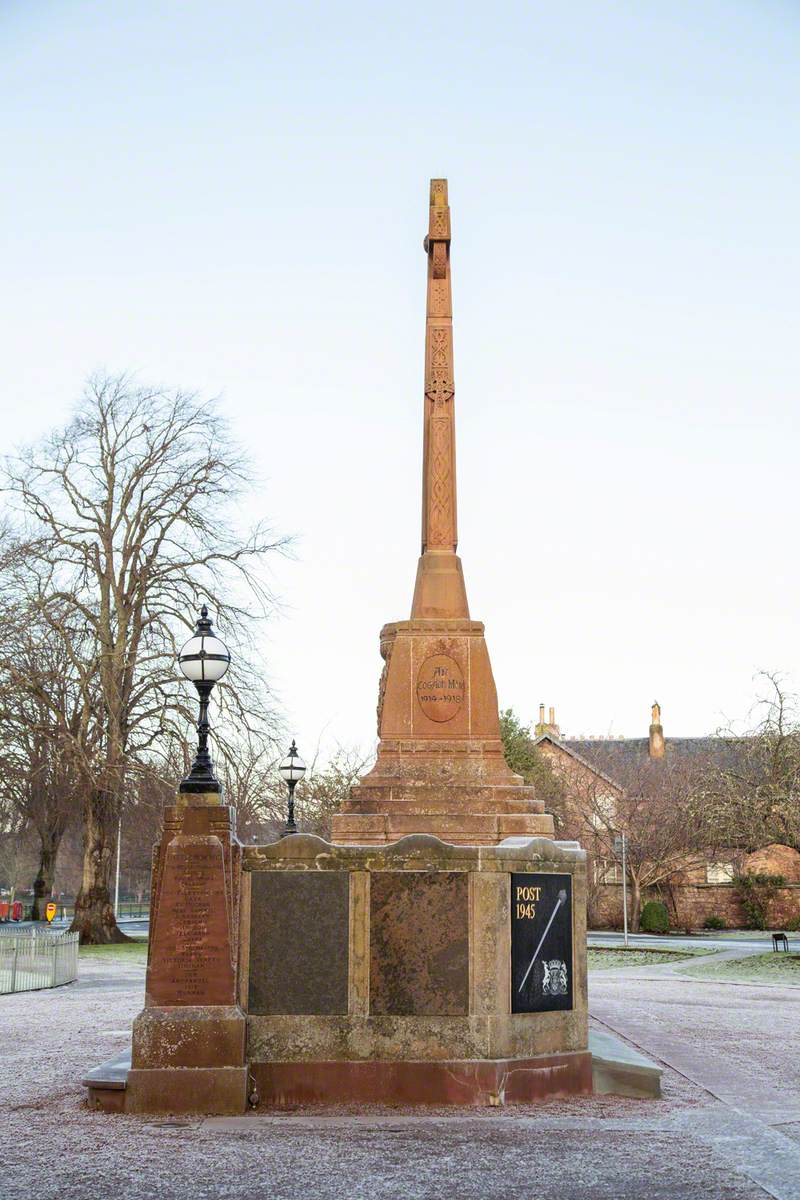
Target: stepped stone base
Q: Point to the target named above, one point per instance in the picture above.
(212, 1091)
(456, 827)
(616, 1069)
(487, 1082)
(188, 1059)
(440, 767)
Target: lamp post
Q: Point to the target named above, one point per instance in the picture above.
(116, 882)
(292, 770)
(204, 660)
(621, 847)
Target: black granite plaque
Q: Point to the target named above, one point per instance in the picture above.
(299, 942)
(541, 943)
(419, 943)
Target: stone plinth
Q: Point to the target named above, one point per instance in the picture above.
(417, 972)
(428, 956)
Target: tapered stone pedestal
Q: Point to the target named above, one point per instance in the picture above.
(189, 1041)
(440, 767)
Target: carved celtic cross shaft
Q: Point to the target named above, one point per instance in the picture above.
(439, 531)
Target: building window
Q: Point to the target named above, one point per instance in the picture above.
(607, 870)
(604, 811)
(719, 872)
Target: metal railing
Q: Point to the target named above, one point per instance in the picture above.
(36, 958)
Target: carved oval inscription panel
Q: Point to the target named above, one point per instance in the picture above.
(441, 689)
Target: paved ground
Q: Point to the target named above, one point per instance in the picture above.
(728, 1126)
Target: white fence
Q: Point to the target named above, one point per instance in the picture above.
(37, 958)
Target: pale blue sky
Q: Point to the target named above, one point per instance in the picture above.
(232, 197)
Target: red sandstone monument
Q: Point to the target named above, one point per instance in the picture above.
(437, 953)
(440, 767)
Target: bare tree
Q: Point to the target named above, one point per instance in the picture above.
(753, 790)
(254, 785)
(129, 518)
(658, 805)
(40, 785)
(17, 854)
(36, 693)
(326, 785)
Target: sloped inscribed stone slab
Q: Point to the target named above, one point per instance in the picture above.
(190, 959)
(299, 942)
(419, 944)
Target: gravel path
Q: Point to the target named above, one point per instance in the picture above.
(690, 1144)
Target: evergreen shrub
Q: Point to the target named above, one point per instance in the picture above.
(654, 918)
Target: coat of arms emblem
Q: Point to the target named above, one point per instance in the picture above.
(554, 980)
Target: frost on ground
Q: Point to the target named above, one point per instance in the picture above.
(604, 958)
(54, 1148)
(771, 967)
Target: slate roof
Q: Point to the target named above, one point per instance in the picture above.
(613, 758)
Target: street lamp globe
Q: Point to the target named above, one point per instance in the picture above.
(204, 660)
(291, 770)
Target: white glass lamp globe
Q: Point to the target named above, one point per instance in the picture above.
(205, 658)
(292, 769)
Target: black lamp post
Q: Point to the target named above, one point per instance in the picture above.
(292, 770)
(204, 660)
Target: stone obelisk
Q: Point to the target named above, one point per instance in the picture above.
(440, 767)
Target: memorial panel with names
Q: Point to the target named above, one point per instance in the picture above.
(419, 943)
(191, 953)
(541, 942)
(299, 943)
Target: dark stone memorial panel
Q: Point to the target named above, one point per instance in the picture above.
(541, 942)
(191, 953)
(419, 943)
(299, 942)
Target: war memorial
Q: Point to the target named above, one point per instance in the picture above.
(435, 951)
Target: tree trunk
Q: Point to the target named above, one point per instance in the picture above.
(43, 883)
(636, 904)
(94, 916)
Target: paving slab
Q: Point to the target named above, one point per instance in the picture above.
(686, 1145)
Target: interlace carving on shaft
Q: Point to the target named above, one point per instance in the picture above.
(439, 527)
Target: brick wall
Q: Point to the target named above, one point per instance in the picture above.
(693, 903)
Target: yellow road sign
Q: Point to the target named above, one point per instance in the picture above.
(50, 910)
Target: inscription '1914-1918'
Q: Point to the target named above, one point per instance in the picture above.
(441, 689)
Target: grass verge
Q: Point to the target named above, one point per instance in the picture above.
(754, 968)
(132, 952)
(602, 958)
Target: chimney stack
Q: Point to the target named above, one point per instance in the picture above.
(547, 726)
(657, 744)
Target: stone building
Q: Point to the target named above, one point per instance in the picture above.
(596, 772)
